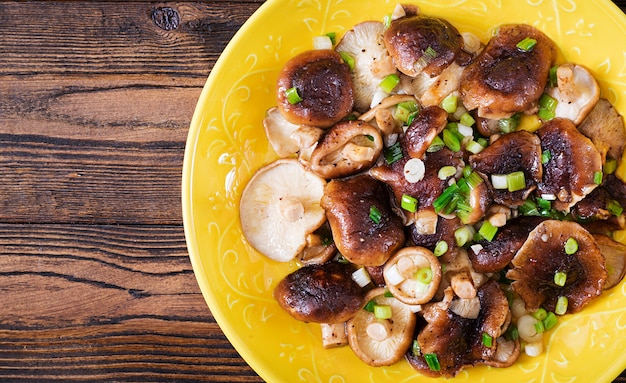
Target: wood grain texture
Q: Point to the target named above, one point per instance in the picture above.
(95, 104)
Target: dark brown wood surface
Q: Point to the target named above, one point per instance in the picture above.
(95, 104)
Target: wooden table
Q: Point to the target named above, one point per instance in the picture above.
(95, 103)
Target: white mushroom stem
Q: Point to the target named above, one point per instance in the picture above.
(426, 221)
(306, 136)
(466, 308)
(386, 103)
(334, 335)
(291, 209)
(462, 284)
(379, 330)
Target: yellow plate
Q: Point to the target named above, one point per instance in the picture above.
(226, 144)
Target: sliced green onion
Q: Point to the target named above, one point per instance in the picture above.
(382, 311)
(467, 119)
(474, 147)
(548, 102)
(546, 156)
(487, 340)
(464, 235)
(552, 78)
(508, 125)
(404, 110)
(408, 203)
(430, 52)
(487, 231)
(474, 179)
(411, 117)
(539, 327)
(529, 208)
(609, 166)
(561, 305)
(375, 214)
(393, 153)
(449, 103)
(424, 275)
(550, 321)
(293, 96)
(546, 114)
(527, 44)
(322, 42)
(446, 196)
(389, 83)
(614, 208)
(446, 171)
(416, 349)
(498, 181)
(436, 145)
(451, 140)
(571, 246)
(559, 279)
(369, 307)
(387, 21)
(515, 181)
(540, 314)
(432, 361)
(597, 178)
(512, 333)
(348, 59)
(544, 204)
(388, 294)
(332, 36)
(440, 248)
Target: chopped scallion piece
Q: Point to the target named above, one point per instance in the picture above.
(550, 321)
(416, 349)
(498, 181)
(527, 44)
(552, 78)
(487, 340)
(614, 208)
(544, 204)
(610, 166)
(382, 311)
(571, 246)
(464, 235)
(515, 181)
(540, 314)
(389, 83)
(348, 59)
(430, 52)
(393, 153)
(560, 278)
(369, 307)
(432, 361)
(512, 333)
(446, 171)
(467, 119)
(449, 103)
(436, 145)
(375, 214)
(487, 230)
(546, 114)
(408, 203)
(451, 140)
(474, 179)
(293, 96)
(424, 275)
(508, 125)
(332, 36)
(404, 110)
(539, 327)
(597, 178)
(529, 208)
(387, 21)
(474, 147)
(561, 305)
(440, 248)
(388, 294)
(444, 199)
(546, 156)
(548, 102)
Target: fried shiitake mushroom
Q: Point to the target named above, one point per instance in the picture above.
(402, 273)
(323, 83)
(423, 130)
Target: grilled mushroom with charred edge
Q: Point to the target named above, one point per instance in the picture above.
(559, 259)
(320, 293)
(510, 74)
(315, 88)
(381, 333)
(413, 275)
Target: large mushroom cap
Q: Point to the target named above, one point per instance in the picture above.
(381, 342)
(544, 254)
(322, 81)
(279, 207)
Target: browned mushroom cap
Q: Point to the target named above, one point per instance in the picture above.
(517, 151)
(402, 271)
(346, 149)
(322, 81)
(479, 199)
(570, 173)
(605, 127)
(505, 79)
(543, 255)
(320, 293)
(366, 230)
(615, 255)
(423, 130)
(422, 43)
(381, 342)
(457, 342)
(493, 256)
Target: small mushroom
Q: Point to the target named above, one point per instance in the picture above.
(278, 131)
(423, 130)
(334, 335)
(280, 207)
(570, 173)
(577, 92)
(413, 275)
(505, 79)
(615, 255)
(605, 127)
(320, 293)
(381, 342)
(432, 90)
(323, 86)
(320, 247)
(346, 149)
(364, 43)
(544, 254)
